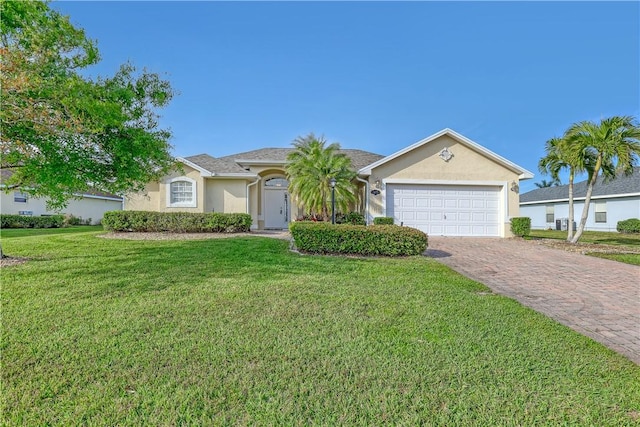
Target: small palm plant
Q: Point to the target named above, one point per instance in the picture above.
(309, 170)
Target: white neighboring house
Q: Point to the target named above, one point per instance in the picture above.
(611, 202)
(88, 205)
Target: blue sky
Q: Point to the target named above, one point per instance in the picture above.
(377, 76)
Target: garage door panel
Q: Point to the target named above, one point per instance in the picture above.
(422, 216)
(446, 209)
(422, 202)
(450, 203)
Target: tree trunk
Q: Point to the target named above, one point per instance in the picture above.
(571, 214)
(587, 201)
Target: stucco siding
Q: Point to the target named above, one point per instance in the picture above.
(154, 196)
(617, 209)
(84, 208)
(466, 167)
(226, 195)
(424, 163)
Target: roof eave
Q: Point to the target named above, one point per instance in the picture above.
(203, 171)
(581, 198)
(234, 175)
(260, 162)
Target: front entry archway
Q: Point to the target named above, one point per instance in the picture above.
(276, 203)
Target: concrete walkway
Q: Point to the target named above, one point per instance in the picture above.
(597, 297)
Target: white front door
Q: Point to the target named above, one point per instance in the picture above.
(446, 210)
(276, 208)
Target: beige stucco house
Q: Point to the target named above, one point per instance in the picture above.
(444, 184)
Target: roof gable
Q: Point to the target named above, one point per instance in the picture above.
(524, 174)
(622, 185)
(210, 166)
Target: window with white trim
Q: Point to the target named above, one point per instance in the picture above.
(181, 193)
(601, 211)
(550, 213)
(19, 197)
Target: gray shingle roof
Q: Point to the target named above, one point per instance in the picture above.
(220, 165)
(621, 185)
(359, 158)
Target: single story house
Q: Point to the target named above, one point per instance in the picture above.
(445, 184)
(90, 205)
(611, 201)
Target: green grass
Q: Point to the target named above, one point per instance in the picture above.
(633, 259)
(27, 232)
(242, 331)
(631, 241)
(603, 237)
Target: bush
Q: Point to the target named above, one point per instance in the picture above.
(24, 221)
(629, 226)
(70, 220)
(383, 220)
(386, 240)
(176, 222)
(521, 226)
(353, 218)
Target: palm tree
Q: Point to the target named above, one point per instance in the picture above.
(546, 184)
(562, 153)
(309, 169)
(614, 144)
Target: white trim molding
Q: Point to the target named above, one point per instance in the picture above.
(442, 182)
(200, 169)
(523, 173)
(579, 199)
(194, 193)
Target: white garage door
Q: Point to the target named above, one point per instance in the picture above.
(446, 210)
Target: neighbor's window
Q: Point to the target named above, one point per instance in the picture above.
(550, 213)
(181, 192)
(601, 211)
(19, 197)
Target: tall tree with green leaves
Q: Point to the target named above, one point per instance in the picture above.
(614, 146)
(564, 154)
(63, 133)
(309, 169)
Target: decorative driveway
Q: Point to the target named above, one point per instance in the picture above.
(597, 297)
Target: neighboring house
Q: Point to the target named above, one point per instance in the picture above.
(445, 184)
(91, 205)
(612, 201)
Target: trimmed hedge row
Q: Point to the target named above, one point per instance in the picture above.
(383, 220)
(386, 240)
(25, 221)
(521, 226)
(176, 222)
(629, 226)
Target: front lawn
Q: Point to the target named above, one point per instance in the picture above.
(242, 331)
(602, 237)
(602, 244)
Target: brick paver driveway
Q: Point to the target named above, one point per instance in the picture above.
(596, 297)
